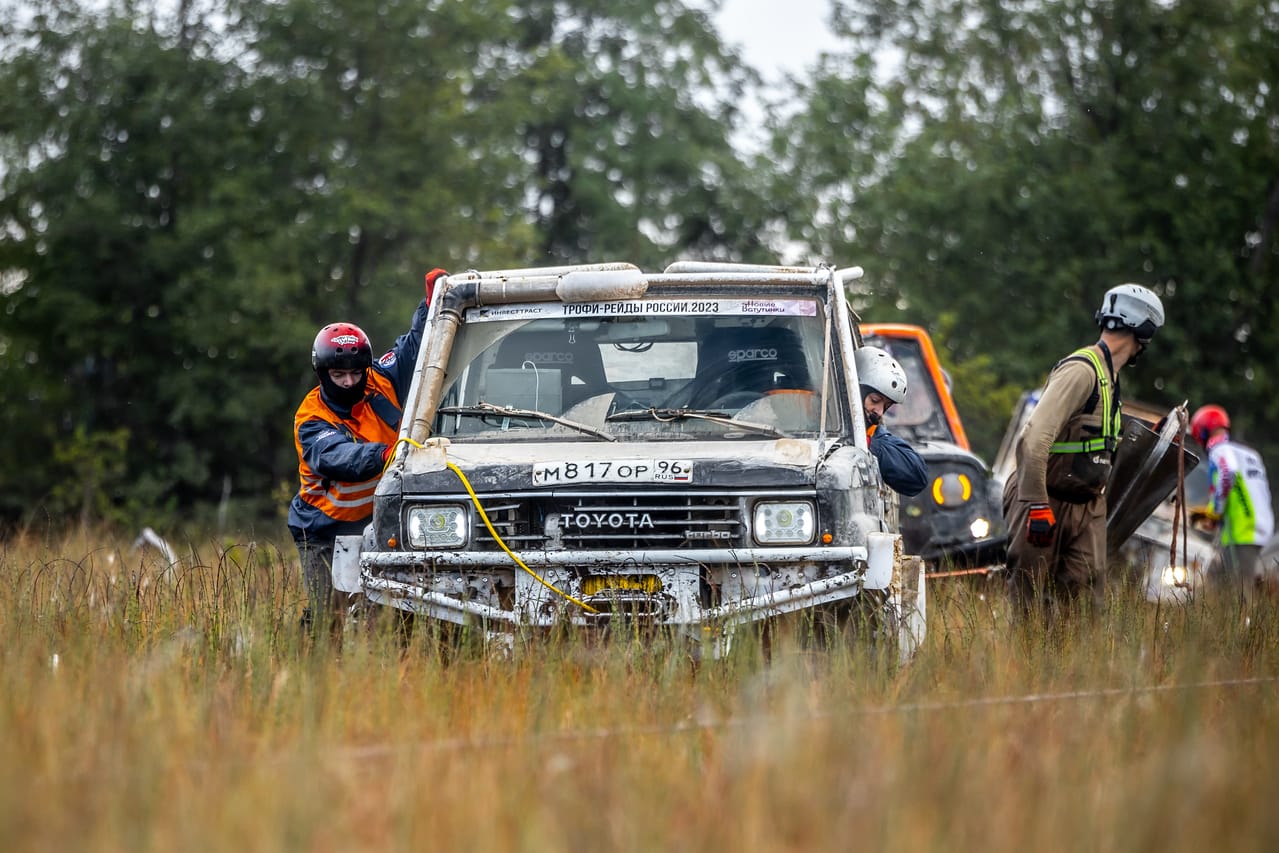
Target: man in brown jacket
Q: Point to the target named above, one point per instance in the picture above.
(1055, 502)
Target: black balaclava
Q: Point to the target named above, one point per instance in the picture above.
(339, 397)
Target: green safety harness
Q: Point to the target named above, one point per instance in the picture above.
(1110, 422)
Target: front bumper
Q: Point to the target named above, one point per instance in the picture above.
(703, 593)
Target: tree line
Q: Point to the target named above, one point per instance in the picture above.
(189, 189)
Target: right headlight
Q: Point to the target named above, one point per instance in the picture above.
(437, 526)
(784, 522)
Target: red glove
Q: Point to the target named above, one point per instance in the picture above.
(431, 277)
(386, 454)
(1041, 526)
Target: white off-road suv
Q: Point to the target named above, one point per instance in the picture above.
(682, 450)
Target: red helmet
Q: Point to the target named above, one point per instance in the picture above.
(341, 346)
(1207, 419)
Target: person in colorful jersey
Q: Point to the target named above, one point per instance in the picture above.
(1239, 507)
(1055, 502)
(883, 385)
(345, 431)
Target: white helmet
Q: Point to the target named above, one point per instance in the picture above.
(879, 371)
(1131, 307)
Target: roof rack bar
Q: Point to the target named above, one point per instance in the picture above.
(684, 267)
(545, 272)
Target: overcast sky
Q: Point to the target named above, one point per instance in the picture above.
(777, 35)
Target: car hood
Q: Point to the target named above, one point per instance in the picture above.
(773, 462)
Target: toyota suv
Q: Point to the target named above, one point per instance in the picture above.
(594, 445)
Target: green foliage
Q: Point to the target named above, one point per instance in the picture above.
(629, 137)
(1013, 162)
(985, 401)
(187, 191)
(92, 466)
(122, 221)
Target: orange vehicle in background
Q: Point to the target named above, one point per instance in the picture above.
(914, 340)
(956, 522)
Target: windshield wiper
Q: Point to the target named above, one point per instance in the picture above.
(711, 415)
(483, 409)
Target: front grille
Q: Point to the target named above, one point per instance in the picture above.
(600, 521)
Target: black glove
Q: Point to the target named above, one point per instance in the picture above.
(1041, 526)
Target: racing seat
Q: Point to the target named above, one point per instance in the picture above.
(543, 370)
(737, 365)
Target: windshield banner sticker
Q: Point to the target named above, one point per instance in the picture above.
(647, 307)
(613, 471)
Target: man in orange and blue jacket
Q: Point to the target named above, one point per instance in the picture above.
(345, 430)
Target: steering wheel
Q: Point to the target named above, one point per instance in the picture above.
(710, 386)
(736, 399)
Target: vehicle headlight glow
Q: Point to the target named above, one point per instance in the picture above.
(980, 528)
(952, 489)
(784, 523)
(1174, 576)
(442, 526)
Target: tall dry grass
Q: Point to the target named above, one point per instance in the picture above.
(149, 707)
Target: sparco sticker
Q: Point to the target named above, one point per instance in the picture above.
(613, 471)
(648, 307)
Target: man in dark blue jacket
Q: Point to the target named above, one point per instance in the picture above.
(883, 384)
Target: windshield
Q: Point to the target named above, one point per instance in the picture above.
(920, 416)
(675, 369)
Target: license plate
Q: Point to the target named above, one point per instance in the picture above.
(596, 584)
(613, 471)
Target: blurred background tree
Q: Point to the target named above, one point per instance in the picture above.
(189, 189)
(1006, 163)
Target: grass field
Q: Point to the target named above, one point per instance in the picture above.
(155, 708)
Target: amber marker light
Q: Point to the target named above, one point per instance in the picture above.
(827, 539)
(952, 489)
(392, 542)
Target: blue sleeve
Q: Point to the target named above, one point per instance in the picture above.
(332, 454)
(1220, 482)
(902, 468)
(398, 362)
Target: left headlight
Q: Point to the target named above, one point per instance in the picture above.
(442, 526)
(784, 523)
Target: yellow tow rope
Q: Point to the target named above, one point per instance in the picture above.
(488, 524)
